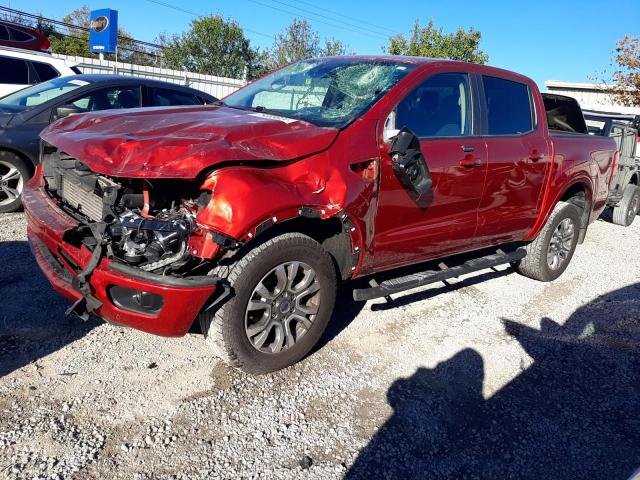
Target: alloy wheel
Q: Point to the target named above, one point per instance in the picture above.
(11, 183)
(560, 244)
(282, 307)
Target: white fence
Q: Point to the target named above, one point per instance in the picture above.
(216, 86)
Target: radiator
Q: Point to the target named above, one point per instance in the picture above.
(87, 203)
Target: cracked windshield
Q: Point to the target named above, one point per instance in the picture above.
(327, 93)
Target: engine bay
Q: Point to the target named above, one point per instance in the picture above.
(140, 223)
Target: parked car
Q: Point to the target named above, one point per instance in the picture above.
(18, 36)
(624, 196)
(22, 68)
(246, 216)
(24, 114)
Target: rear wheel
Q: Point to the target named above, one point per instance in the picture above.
(629, 206)
(283, 297)
(13, 175)
(551, 251)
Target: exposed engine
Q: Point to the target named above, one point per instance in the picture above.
(143, 224)
(152, 243)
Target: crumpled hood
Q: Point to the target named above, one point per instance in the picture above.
(180, 142)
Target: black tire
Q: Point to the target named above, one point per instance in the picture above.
(536, 264)
(224, 328)
(629, 206)
(9, 160)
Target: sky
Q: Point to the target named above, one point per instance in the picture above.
(546, 40)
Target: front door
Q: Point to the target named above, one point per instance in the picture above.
(440, 113)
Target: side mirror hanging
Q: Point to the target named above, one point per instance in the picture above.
(410, 167)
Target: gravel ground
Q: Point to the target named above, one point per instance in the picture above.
(491, 376)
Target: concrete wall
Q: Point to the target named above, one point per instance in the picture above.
(590, 96)
(216, 86)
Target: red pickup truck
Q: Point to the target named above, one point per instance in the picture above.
(247, 214)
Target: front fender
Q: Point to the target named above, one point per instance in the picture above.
(243, 198)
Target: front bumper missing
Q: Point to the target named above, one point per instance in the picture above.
(64, 264)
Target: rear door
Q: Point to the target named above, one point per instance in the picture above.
(518, 156)
(440, 111)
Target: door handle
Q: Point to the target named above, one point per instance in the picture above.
(470, 161)
(467, 148)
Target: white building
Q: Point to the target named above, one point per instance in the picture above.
(591, 96)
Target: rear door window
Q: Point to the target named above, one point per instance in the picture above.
(45, 71)
(4, 33)
(508, 106)
(163, 97)
(20, 36)
(438, 107)
(14, 71)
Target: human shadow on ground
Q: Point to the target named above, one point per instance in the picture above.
(32, 320)
(574, 413)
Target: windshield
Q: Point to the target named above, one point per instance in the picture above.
(42, 92)
(328, 92)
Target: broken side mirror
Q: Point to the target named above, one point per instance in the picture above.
(64, 111)
(410, 167)
(390, 131)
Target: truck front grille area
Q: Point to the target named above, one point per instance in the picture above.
(75, 185)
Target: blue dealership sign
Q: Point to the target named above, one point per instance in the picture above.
(103, 31)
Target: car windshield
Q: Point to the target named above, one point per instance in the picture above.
(42, 92)
(329, 92)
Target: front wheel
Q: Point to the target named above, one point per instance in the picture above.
(283, 296)
(551, 251)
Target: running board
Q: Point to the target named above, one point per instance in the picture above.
(420, 279)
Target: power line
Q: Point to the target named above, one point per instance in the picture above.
(197, 14)
(375, 32)
(378, 36)
(340, 14)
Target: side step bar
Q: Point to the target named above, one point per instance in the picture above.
(400, 284)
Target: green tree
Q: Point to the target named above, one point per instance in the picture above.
(214, 46)
(299, 41)
(334, 47)
(431, 41)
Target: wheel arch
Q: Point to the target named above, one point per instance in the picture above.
(330, 233)
(579, 194)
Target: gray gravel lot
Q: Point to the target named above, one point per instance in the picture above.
(493, 376)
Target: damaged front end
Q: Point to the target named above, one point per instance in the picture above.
(143, 229)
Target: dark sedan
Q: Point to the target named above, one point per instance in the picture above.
(25, 113)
